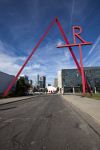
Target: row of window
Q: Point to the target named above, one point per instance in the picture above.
(73, 78)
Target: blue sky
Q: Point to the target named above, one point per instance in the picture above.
(22, 23)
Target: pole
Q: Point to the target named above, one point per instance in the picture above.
(82, 69)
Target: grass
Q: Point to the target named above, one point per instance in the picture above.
(93, 96)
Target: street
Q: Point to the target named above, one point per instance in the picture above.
(47, 122)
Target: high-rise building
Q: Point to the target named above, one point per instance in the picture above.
(55, 82)
(60, 79)
(38, 79)
(42, 82)
(30, 82)
(26, 80)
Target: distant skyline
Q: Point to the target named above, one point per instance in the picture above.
(22, 23)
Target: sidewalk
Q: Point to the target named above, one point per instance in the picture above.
(87, 105)
(14, 99)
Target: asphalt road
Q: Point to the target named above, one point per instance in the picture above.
(45, 123)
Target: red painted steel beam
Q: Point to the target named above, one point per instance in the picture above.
(33, 51)
(82, 70)
(67, 42)
(71, 45)
(77, 34)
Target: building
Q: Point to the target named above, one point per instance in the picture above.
(69, 78)
(42, 82)
(30, 90)
(51, 89)
(55, 82)
(5, 80)
(38, 79)
(26, 80)
(60, 79)
(30, 82)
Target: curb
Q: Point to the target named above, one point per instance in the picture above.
(9, 102)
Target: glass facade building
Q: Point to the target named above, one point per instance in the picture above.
(72, 78)
(42, 82)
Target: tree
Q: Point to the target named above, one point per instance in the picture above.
(21, 87)
(57, 89)
(35, 89)
(80, 87)
(46, 90)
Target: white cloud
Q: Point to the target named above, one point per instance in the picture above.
(59, 42)
(9, 63)
(72, 12)
(95, 45)
(36, 66)
(47, 61)
(93, 57)
(67, 55)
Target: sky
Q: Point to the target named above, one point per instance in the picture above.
(22, 23)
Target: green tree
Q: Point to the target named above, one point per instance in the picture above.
(21, 87)
(35, 89)
(57, 89)
(80, 87)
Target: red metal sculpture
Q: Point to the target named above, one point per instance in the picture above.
(75, 34)
(83, 42)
